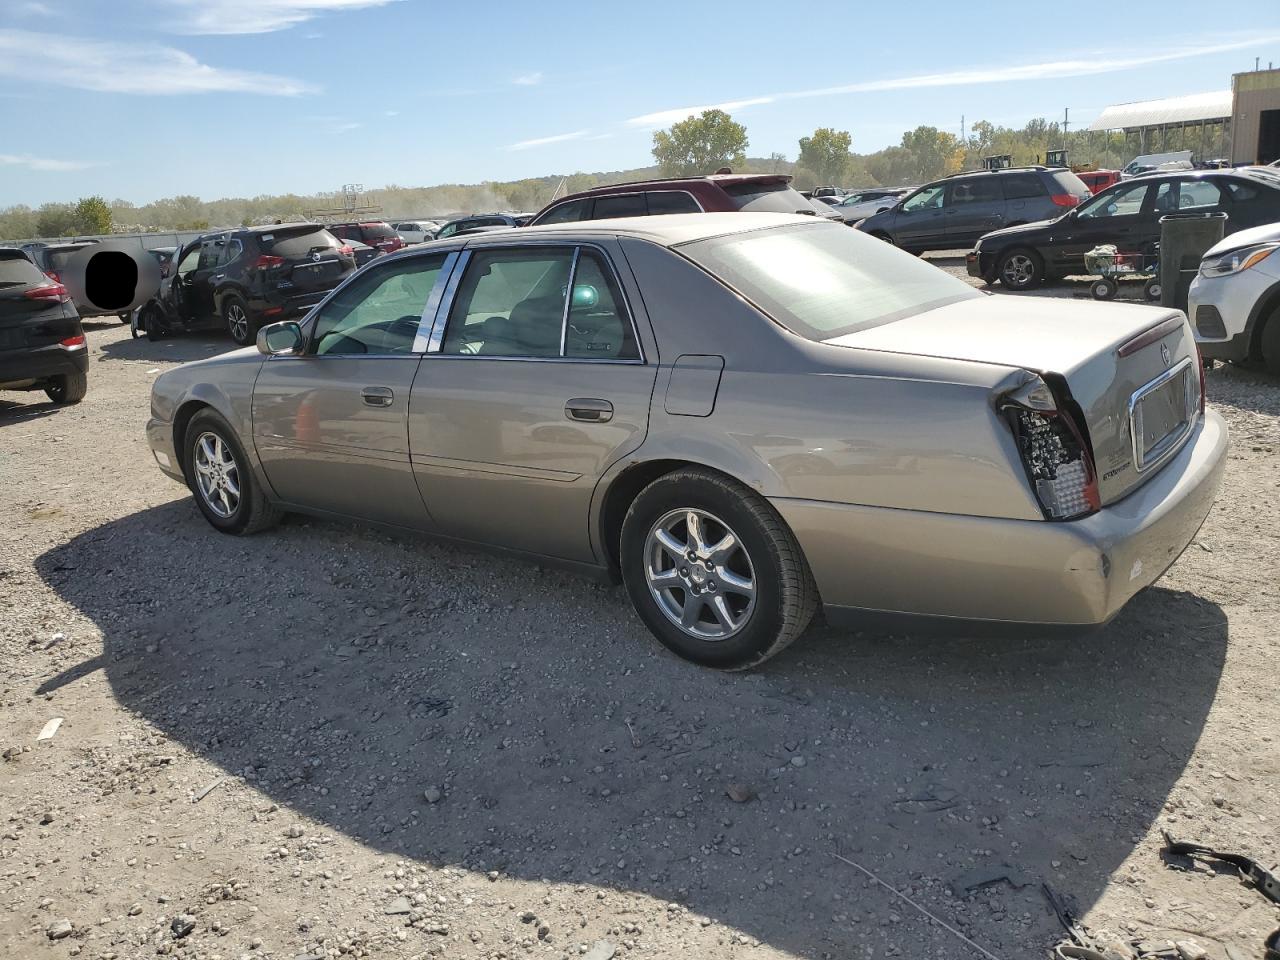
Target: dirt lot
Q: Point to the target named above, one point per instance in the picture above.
(324, 741)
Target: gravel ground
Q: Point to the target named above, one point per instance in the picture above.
(324, 741)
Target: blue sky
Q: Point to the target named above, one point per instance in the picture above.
(141, 99)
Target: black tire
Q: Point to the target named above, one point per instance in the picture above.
(1020, 269)
(1269, 344)
(240, 323)
(1103, 289)
(881, 235)
(251, 510)
(1152, 290)
(153, 324)
(125, 317)
(765, 554)
(68, 388)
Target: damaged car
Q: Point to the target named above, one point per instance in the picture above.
(745, 418)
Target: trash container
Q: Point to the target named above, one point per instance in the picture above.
(1184, 239)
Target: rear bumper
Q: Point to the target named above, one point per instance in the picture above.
(40, 363)
(272, 308)
(978, 264)
(967, 571)
(160, 440)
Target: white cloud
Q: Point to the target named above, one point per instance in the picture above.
(528, 79)
(42, 164)
(391, 113)
(543, 141)
(1084, 65)
(32, 8)
(110, 67)
(255, 16)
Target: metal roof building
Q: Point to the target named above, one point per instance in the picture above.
(1171, 111)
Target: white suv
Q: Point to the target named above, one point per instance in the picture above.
(1234, 302)
(416, 231)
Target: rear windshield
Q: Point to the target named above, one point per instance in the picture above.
(376, 231)
(17, 269)
(824, 280)
(755, 197)
(59, 257)
(1068, 182)
(297, 243)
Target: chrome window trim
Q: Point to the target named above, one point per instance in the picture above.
(446, 306)
(568, 299)
(441, 318)
(1170, 445)
(426, 323)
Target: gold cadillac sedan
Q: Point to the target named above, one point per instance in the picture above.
(744, 417)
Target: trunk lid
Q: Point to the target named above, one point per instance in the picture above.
(1132, 370)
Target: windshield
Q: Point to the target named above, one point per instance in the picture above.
(825, 281)
(376, 231)
(298, 243)
(17, 269)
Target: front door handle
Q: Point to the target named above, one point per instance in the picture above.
(378, 396)
(589, 410)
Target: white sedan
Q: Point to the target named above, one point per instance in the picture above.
(1234, 301)
(860, 205)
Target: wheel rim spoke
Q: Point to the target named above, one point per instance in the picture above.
(700, 574)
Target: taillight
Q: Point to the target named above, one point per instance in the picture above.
(347, 250)
(71, 343)
(53, 275)
(1065, 200)
(267, 261)
(48, 291)
(1054, 454)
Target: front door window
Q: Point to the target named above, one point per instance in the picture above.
(930, 198)
(377, 314)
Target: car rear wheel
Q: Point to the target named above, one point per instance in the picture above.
(713, 570)
(220, 476)
(68, 388)
(881, 235)
(236, 314)
(1020, 269)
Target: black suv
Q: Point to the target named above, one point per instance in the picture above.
(245, 278)
(956, 211)
(1126, 214)
(41, 341)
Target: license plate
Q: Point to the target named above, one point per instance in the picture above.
(1160, 416)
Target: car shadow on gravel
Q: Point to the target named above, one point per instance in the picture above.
(35, 407)
(180, 349)
(343, 672)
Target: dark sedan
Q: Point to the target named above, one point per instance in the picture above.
(1127, 215)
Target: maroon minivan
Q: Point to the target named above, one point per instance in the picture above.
(717, 193)
(372, 233)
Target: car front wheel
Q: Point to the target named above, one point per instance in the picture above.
(236, 314)
(1020, 269)
(221, 478)
(713, 571)
(1270, 343)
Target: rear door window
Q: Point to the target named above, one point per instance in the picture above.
(1199, 196)
(671, 201)
(211, 252)
(1022, 186)
(977, 190)
(511, 303)
(625, 205)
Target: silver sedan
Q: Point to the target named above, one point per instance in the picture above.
(744, 417)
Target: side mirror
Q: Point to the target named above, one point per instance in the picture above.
(280, 339)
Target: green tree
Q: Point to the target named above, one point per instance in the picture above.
(935, 151)
(700, 145)
(92, 215)
(826, 153)
(55, 220)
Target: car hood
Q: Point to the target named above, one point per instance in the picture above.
(1267, 233)
(1033, 227)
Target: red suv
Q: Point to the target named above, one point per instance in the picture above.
(1099, 180)
(372, 233)
(718, 193)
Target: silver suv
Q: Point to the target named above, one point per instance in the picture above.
(954, 212)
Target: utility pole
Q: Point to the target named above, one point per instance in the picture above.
(1066, 124)
(962, 136)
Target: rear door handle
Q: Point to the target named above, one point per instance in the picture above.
(589, 410)
(378, 396)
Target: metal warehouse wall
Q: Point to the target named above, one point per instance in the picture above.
(1253, 92)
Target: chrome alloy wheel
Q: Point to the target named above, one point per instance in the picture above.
(1018, 270)
(699, 574)
(237, 323)
(217, 474)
